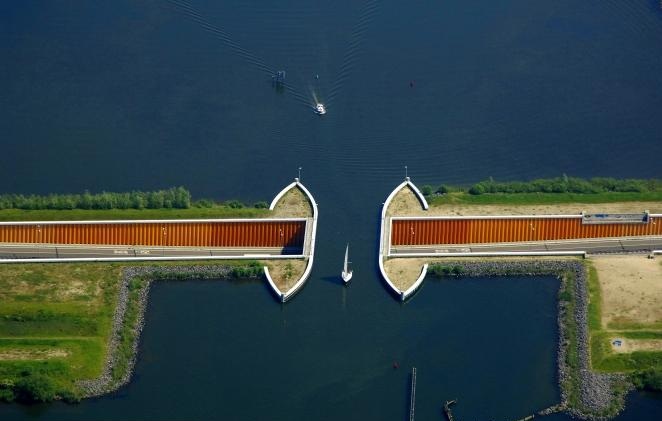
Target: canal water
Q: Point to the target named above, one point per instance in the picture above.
(142, 95)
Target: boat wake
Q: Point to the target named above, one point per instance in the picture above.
(356, 39)
(189, 11)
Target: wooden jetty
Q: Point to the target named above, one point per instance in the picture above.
(412, 397)
(447, 409)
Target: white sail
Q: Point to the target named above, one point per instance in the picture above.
(346, 258)
(346, 273)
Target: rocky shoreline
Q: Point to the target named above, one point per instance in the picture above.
(597, 392)
(105, 383)
(600, 395)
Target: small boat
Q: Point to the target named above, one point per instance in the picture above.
(346, 273)
(319, 109)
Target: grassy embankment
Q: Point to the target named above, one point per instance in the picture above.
(57, 317)
(560, 190)
(172, 203)
(465, 198)
(216, 211)
(55, 324)
(603, 358)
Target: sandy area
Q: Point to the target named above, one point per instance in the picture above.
(632, 345)
(32, 354)
(403, 272)
(52, 283)
(293, 204)
(405, 203)
(559, 209)
(286, 272)
(631, 287)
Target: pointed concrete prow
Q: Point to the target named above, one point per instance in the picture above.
(403, 283)
(294, 200)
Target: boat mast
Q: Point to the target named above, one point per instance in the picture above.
(346, 258)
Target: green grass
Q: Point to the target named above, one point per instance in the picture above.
(595, 300)
(571, 384)
(603, 358)
(58, 306)
(541, 198)
(84, 359)
(616, 325)
(216, 211)
(127, 334)
(69, 307)
(639, 334)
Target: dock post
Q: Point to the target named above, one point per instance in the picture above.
(412, 398)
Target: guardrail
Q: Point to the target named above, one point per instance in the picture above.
(495, 254)
(140, 258)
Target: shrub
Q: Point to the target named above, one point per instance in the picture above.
(650, 379)
(234, 204)
(457, 270)
(477, 189)
(204, 203)
(34, 387)
(443, 189)
(567, 184)
(261, 205)
(6, 392)
(171, 198)
(426, 190)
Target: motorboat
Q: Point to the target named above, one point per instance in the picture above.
(319, 109)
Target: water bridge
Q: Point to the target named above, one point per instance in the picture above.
(272, 238)
(433, 236)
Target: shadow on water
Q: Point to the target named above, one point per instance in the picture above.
(335, 280)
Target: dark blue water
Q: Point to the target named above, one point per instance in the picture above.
(138, 95)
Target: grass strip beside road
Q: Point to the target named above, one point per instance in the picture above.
(541, 198)
(214, 212)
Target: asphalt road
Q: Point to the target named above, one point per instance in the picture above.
(608, 245)
(13, 251)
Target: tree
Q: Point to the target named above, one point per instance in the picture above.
(182, 198)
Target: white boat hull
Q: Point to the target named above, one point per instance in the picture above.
(346, 276)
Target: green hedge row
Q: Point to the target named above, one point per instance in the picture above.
(172, 198)
(562, 184)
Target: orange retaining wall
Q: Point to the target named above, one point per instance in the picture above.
(184, 234)
(469, 231)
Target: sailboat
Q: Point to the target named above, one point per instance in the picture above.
(346, 273)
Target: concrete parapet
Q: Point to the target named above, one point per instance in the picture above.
(384, 247)
(309, 243)
(405, 294)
